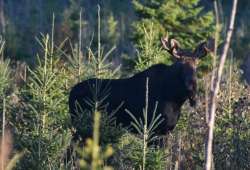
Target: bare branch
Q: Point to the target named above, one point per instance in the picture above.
(216, 87)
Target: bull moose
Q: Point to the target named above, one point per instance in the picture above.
(169, 85)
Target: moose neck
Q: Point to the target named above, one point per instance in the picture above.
(176, 85)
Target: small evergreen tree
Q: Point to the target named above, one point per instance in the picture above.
(146, 55)
(43, 128)
(184, 19)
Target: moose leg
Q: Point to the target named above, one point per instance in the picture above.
(171, 114)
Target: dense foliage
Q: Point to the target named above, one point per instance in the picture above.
(33, 17)
(184, 19)
(187, 21)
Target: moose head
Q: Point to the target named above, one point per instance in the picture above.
(188, 59)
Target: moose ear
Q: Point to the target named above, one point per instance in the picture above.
(171, 45)
(204, 48)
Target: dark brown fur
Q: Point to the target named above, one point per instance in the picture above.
(170, 86)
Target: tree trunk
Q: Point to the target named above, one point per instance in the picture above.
(2, 19)
(216, 86)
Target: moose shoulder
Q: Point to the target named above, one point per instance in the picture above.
(168, 86)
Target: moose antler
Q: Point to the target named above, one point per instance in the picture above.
(171, 45)
(203, 48)
(173, 48)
